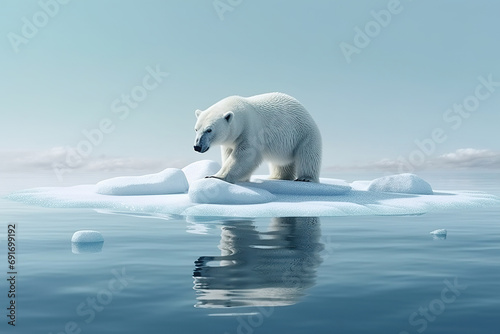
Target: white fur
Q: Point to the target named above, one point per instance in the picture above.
(274, 127)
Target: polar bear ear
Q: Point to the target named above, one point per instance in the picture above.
(197, 112)
(228, 116)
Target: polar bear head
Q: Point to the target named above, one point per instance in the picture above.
(212, 127)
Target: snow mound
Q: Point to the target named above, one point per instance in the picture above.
(360, 185)
(200, 169)
(169, 181)
(215, 191)
(401, 183)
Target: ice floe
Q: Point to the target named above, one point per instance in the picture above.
(168, 194)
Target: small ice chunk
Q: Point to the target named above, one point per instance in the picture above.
(439, 234)
(215, 191)
(199, 169)
(401, 183)
(169, 181)
(440, 231)
(87, 236)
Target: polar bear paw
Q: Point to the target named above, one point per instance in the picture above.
(214, 177)
(303, 180)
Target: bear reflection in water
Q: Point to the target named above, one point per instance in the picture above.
(272, 268)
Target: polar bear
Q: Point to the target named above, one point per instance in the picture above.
(273, 127)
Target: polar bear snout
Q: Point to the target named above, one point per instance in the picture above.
(202, 142)
(201, 149)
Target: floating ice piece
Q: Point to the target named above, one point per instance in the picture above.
(86, 241)
(401, 183)
(169, 181)
(87, 236)
(215, 191)
(200, 169)
(440, 231)
(263, 198)
(439, 234)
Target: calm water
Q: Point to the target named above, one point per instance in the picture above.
(368, 274)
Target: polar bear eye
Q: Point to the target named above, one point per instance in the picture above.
(209, 130)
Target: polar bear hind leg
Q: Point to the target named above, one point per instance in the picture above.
(308, 162)
(286, 172)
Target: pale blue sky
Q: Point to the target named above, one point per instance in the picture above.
(394, 91)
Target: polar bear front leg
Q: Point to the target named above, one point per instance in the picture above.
(225, 153)
(239, 165)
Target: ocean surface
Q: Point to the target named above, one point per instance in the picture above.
(353, 274)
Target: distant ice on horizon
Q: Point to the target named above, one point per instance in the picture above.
(187, 192)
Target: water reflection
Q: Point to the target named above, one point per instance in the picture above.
(86, 247)
(272, 268)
